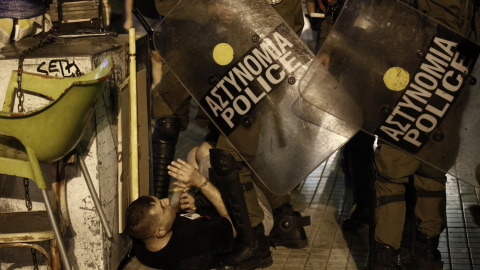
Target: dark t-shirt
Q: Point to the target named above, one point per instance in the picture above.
(194, 244)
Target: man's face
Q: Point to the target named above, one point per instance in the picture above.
(164, 213)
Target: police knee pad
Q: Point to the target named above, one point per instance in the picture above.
(223, 163)
(166, 129)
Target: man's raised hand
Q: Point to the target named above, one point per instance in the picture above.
(185, 173)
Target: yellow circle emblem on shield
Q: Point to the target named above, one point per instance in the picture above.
(223, 54)
(396, 78)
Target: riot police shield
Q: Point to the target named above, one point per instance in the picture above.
(412, 79)
(242, 63)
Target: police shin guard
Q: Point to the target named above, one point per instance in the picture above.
(164, 140)
(251, 247)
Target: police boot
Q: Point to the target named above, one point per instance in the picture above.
(425, 256)
(251, 249)
(385, 258)
(288, 228)
(164, 140)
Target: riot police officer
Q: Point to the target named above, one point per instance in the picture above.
(395, 168)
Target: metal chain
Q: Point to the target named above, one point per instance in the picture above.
(45, 40)
(28, 201)
(34, 256)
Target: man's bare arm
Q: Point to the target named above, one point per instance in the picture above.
(188, 176)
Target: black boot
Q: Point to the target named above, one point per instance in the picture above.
(386, 258)
(252, 255)
(251, 249)
(425, 256)
(288, 228)
(164, 140)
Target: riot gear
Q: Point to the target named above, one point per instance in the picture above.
(386, 258)
(164, 140)
(425, 254)
(359, 59)
(251, 249)
(288, 228)
(261, 82)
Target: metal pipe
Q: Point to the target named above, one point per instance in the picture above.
(93, 193)
(145, 25)
(56, 230)
(83, 35)
(37, 173)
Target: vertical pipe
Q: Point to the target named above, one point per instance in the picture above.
(121, 199)
(133, 117)
(93, 193)
(56, 231)
(40, 181)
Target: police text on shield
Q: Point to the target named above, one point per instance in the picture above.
(251, 78)
(429, 96)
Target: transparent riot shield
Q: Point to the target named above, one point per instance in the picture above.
(242, 64)
(413, 79)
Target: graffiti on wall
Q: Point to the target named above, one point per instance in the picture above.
(59, 68)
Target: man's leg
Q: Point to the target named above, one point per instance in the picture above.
(288, 228)
(171, 105)
(255, 212)
(393, 168)
(251, 249)
(358, 158)
(430, 214)
(389, 222)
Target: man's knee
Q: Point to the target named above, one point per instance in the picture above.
(394, 164)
